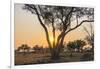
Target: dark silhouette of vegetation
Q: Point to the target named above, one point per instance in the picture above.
(24, 47)
(77, 44)
(38, 49)
(59, 18)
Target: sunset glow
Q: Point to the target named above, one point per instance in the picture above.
(53, 34)
(51, 39)
(29, 31)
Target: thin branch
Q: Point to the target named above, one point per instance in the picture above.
(69, 14)
(87, 31)
(77, 20)
(92, 31)
(40, 11)
(32, 7)
(79, 25)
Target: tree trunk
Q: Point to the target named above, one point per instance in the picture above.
(54, 54)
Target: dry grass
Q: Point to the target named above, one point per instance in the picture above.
(39, 58)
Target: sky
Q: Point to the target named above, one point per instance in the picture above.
(27, 29)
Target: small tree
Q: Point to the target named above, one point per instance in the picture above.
(77, 44)
(24, 47)
(38, 49)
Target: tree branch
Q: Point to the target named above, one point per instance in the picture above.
(46, 31)
(64, 34)
(65, 27)
(32, 7)
(79, 25)
(69, 14)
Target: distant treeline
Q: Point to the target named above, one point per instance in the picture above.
(72, 46)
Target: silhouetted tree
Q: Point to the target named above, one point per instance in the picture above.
(19, 48)
(24, 47)
(71, 47)
(90, 36)
(38, 49)
(60, 18)
(77, 44)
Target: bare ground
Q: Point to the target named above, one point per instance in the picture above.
(40, 58)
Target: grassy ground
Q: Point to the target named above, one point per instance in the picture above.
(39, 58)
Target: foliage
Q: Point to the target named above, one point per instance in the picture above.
(36, 47)
(77, 44)
(24, 47)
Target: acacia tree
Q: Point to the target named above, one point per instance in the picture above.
(59, 18)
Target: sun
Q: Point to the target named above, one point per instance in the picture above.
(51, 39)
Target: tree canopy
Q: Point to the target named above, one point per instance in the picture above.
(60, 18)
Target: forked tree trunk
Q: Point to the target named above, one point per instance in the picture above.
(55, 53)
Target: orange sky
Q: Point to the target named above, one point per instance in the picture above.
(29, 31)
